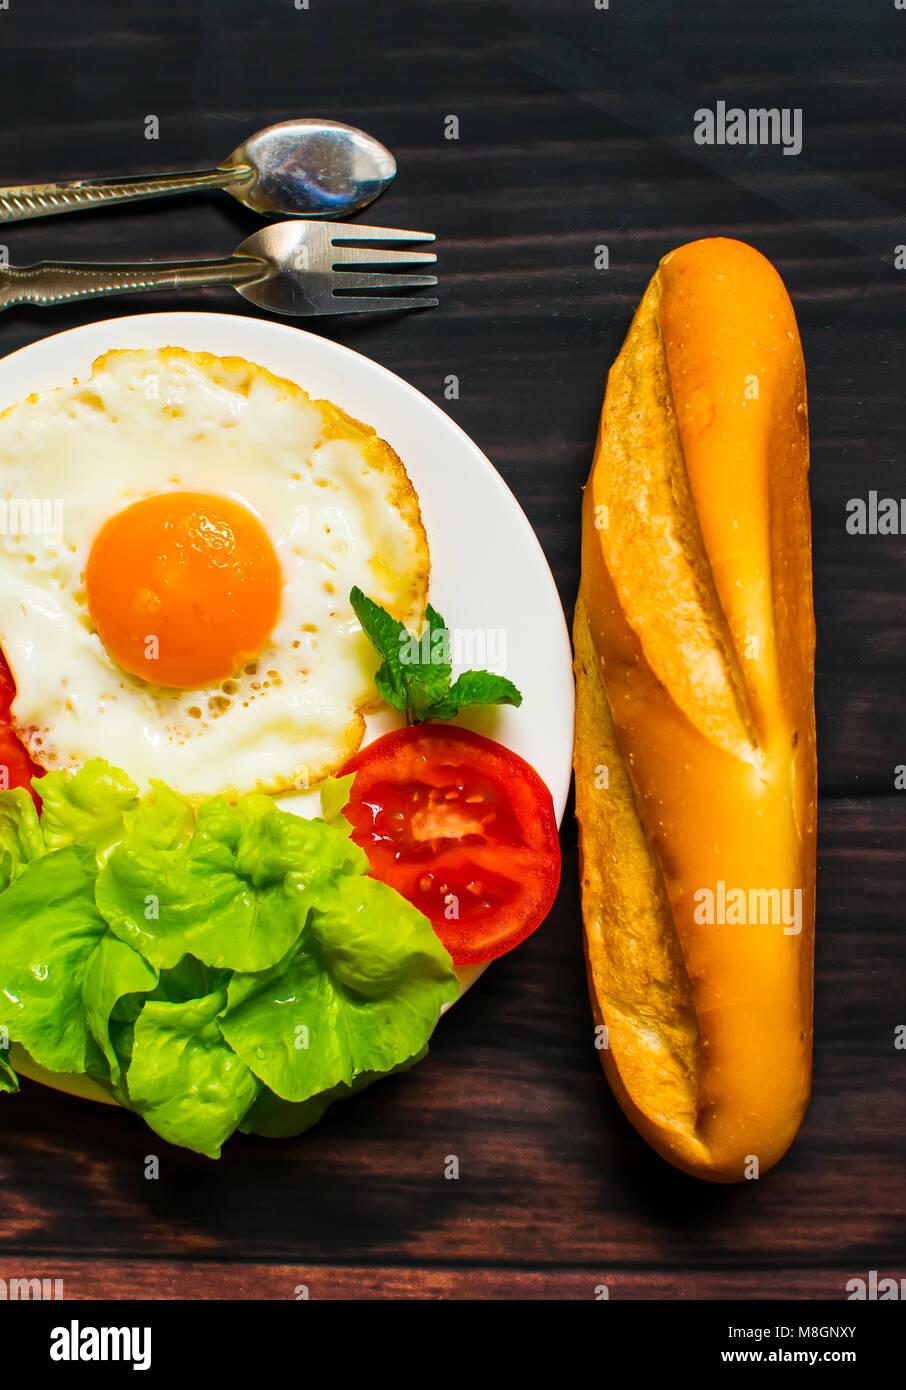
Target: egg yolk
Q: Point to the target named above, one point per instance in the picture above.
(183, 588)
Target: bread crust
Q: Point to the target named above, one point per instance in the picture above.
(694, 638)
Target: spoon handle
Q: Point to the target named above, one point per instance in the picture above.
(18, 204)
(55, 282)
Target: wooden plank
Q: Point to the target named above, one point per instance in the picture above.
(550, 1172)
(249, 1281)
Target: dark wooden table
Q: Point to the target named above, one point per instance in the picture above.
(575, 130)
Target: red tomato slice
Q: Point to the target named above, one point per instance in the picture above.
(14, 759)
(462, 827)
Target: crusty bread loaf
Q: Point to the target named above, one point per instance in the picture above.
(695, 735)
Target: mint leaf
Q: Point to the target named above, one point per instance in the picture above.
(427, 665)
(391, 688)
(416, 671)
(385, 634)
(475, 688)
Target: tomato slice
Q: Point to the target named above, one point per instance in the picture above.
(462, 827)
(16, 767)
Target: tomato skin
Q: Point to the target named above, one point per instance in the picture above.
(464, 829)
(13, 754)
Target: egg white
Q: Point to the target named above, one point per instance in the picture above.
(335, 501)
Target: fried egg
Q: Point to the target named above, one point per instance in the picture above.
(179, 535)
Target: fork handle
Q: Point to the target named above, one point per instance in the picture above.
(55, 282)
(21, 202)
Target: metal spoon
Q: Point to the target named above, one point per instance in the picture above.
(304, 168)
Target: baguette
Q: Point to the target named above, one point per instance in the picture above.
(695, 729)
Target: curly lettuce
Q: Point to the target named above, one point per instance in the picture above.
(224, 967)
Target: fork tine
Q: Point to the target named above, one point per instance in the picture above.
(361, 255)
(348, 280)
(353, 231)
(378, 304)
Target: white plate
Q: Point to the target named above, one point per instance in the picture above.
(488, 572)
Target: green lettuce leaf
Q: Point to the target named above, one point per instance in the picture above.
(335, 793)
(113, 972)
(21, 839)
(233, 966)
(85, 807)
(164, 820)
(183, 1079)
(190, 979)
(236, 895)
(275, 1118)
(8, 1079)
(362, 993)
(50, 929)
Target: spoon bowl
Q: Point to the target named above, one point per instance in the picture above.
(311, 168)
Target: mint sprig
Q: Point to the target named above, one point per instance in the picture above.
(416, 671)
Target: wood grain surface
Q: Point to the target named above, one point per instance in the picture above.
(575, 131)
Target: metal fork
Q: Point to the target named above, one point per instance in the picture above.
(298, 267)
